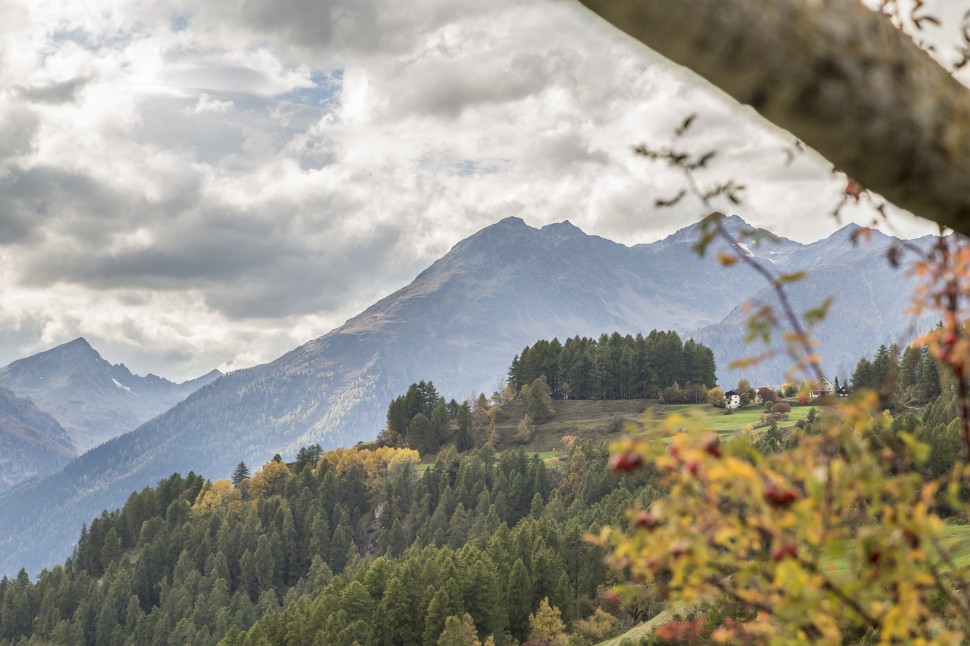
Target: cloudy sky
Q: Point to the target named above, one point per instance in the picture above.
(209, 184)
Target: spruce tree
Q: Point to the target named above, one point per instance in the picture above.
(240, 473)
(464, 441)
(519, 600)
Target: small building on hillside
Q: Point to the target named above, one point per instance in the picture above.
(732, 399)
(843, 391)
(822, 388)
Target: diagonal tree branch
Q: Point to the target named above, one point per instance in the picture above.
(836, 75)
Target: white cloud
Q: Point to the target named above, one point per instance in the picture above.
(199, 184)
(208, 104)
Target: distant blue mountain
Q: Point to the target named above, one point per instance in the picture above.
(91, 398)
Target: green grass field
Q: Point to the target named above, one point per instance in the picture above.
(742, 419)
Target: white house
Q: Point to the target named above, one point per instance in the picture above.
(822, 387)
(732, 399)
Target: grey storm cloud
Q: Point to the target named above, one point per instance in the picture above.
(345, 27)
(57, 92)
(17, 129)
(447, 87)
(45, 199)
(245, 264)
(308, 281)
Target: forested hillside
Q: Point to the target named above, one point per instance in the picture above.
(907, 378)
(372, 546)
(314, 551)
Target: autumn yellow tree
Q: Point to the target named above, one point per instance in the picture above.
(546, 625)
(216, 495)
(269, 480)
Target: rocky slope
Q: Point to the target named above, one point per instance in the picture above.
(32, 443)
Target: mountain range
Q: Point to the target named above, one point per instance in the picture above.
(91, 398)
(459, 323)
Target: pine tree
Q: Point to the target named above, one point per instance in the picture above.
(307, 456)
(464, 441)
(519, 600)
(439, 426)
(420, 435)
(437, 614)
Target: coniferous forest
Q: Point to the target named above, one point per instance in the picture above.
(350, 546)
(370, 546)
(614, 366)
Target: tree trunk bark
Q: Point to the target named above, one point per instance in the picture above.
(836, 75)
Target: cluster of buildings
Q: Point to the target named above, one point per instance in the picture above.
(820, 388)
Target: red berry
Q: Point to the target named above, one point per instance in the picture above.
(713, 446)
(646, 520)
(779, 498)
(693, 467)
(875, 553)
(625, 461)
(783, 551)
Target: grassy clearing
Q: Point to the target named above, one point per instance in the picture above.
(705, 417)
(585, 420)
(609, 421)
(743, 419)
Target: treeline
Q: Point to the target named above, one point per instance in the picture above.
(614, 366)
(907, 379)
(420, 419)
(317, 546)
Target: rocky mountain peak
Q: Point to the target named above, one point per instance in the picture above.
(91, 398)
